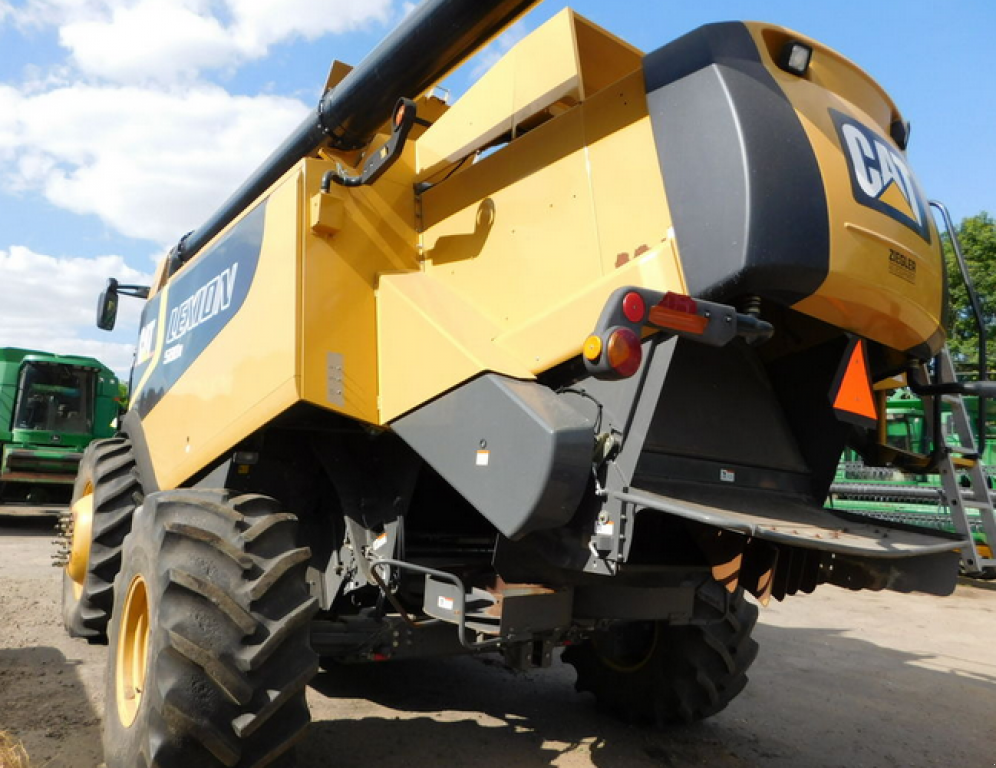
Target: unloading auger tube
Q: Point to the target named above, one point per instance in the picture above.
(433, 40)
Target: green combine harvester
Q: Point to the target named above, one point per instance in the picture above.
(913, 498)
(51, 408)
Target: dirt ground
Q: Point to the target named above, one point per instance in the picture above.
(843, 679)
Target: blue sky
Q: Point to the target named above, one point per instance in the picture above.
(123, 123)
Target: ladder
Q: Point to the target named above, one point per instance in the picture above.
(957, 460)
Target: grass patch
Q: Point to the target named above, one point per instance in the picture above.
(12, 752)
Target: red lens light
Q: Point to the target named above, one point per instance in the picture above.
(679, 302)
(634, 307)
(623, 351)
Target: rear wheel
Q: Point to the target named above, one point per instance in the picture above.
(105, 496)
(210, 650)
(656, 673)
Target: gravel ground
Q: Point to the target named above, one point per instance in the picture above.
(843, 679)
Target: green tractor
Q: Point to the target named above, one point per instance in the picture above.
(51, 408)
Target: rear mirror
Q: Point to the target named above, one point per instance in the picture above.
(107, 306)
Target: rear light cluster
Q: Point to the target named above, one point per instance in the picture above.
(619, 349)
(615, 351)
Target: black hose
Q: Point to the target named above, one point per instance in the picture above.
(429, 43)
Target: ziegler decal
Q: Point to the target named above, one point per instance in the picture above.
(880, 177)
(902, 266)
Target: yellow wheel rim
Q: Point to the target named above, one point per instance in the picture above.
(79, 553)
(632, 662)
(133, 652)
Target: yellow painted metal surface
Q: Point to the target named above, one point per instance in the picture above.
(564, 61)
(339, 278)
(538, 72)
(248, 373)
(864, 292)
(522, 248)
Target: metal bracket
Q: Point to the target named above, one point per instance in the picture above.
(403, 118)
(459, 609)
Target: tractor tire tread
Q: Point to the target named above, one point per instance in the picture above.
(231, 665)
(693, 671)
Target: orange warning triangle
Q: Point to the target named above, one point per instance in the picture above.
(854, 394)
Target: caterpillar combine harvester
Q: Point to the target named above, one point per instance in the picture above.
(568, 363)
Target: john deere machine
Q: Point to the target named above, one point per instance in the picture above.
(922, 497)
(51, 407)
(567, 363)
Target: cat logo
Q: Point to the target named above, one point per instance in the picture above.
(880, 177)
(146, 342)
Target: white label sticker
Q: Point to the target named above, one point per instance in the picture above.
(483, 457)
(380, 541)
(605, 529)
(172, 353)
(727, 475)
(446, 603)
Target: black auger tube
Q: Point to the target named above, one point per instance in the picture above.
(430, 42)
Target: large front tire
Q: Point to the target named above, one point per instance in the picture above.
(655, 673)
(106, 493)
(209, 651)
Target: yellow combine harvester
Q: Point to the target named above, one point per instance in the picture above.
(569, 362)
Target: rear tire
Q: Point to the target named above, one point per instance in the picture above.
(654, 673)
(107, 473)
(210, 651)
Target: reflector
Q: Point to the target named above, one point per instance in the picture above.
(852, 396)
(624, 351)
(593, 348)
(634, 307)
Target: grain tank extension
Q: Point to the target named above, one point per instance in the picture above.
(569, 362)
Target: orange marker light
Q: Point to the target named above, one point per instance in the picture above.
(675, 320)
(853, 399)
(593, 348)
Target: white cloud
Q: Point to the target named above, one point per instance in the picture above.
(49, 303)
(170, 41)
(125, 128)
(150, 164)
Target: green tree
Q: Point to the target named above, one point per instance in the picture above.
(977, 235)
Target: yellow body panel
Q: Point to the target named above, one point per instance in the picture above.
(340, 274)
(863, 292)
(307, 330)
(210, 408)
(546, 73)
(431, 339)
(535, 236)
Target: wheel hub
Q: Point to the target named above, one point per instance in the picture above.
(132, 652)
(629, 647)
(81, 532)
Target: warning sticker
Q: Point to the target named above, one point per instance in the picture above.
(483, 458)
(446, 603)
